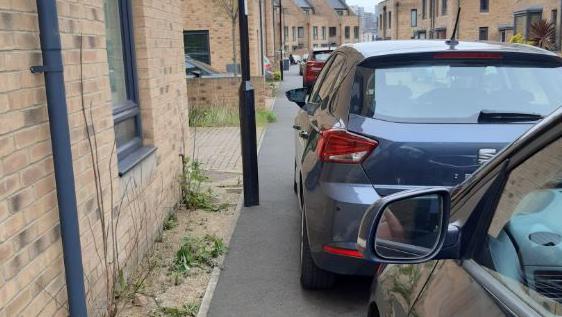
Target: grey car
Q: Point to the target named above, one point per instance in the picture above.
(389, 116)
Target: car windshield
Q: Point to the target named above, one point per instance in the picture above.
(454, 93)
(322, 56)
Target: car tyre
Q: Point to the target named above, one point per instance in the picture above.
(312, 277)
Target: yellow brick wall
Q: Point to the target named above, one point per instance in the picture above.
(500, 13)
(31, 268)
(210, 16)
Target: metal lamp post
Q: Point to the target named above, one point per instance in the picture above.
(281, 39)
(247, 115)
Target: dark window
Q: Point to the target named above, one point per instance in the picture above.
(294, 33)
(285, 32)
(440, 33)
(503, 36)
(484, 5)
(332, 31)
(554, 17)
(323, 32)
(356, 32)
(196, 45)
(483, 34)
(314, 32)
(444, 7)
(389, 19)
(414, 17)
(524, 20)
(347, 32)
(424, 9)
(301, 32)
(380, 21)
(123, 80)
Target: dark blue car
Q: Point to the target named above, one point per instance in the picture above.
(389, 116)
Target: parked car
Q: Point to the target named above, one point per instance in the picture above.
(302, 63)
(490, 247)
(313, 65)
(267, 68)
(389, 116)
(196, 69)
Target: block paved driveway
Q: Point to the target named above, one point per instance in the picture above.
(261, 273)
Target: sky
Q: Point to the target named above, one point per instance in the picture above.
(369, 5)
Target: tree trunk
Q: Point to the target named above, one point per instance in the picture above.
(234, 46)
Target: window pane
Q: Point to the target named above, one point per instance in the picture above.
(125, 131)
(196, 44)
(115, 57)
(524, 243)
(423, 93)
(519, 26)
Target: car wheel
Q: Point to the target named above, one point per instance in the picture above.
(312, 277)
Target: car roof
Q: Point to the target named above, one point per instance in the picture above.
(379, 48)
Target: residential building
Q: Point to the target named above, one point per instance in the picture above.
(479, 19)
(309, 24)
(125, 93)
(211, 33)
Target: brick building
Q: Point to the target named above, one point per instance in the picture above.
(309, 24)
(479, 20)
(209, 29)
(127, 107)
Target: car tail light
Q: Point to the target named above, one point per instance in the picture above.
(340, 146)
(343, 252)
(314, 66)
(467, 55)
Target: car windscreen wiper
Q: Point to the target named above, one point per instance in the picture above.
(490, 116)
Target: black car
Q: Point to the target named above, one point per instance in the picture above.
(490, 247)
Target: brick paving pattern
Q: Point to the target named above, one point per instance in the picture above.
(218, 149)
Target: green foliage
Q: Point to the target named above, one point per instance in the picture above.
(225, 117)
(187, 310)
(171, 221)
(193, 195)
(519, 39)
(198, 252)
(276, 75)
(265, 116)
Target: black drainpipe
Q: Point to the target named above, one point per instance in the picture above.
(62, 155)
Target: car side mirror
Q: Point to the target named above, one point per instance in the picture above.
(297, 96)
(408, 227)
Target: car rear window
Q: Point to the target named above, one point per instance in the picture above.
(321, 56)
(454, 93)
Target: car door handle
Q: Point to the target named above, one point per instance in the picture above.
(297, 127)
(303, 134)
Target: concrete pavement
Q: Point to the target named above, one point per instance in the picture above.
(261, 270)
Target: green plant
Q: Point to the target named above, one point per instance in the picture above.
(187, 310)
(171, 221)
(543, 33)
(216, 116)
(519, 39)
(193, 195)
(198, 252)
(277, 75)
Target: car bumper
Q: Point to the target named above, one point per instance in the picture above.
(334, 212)
(344, 265)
